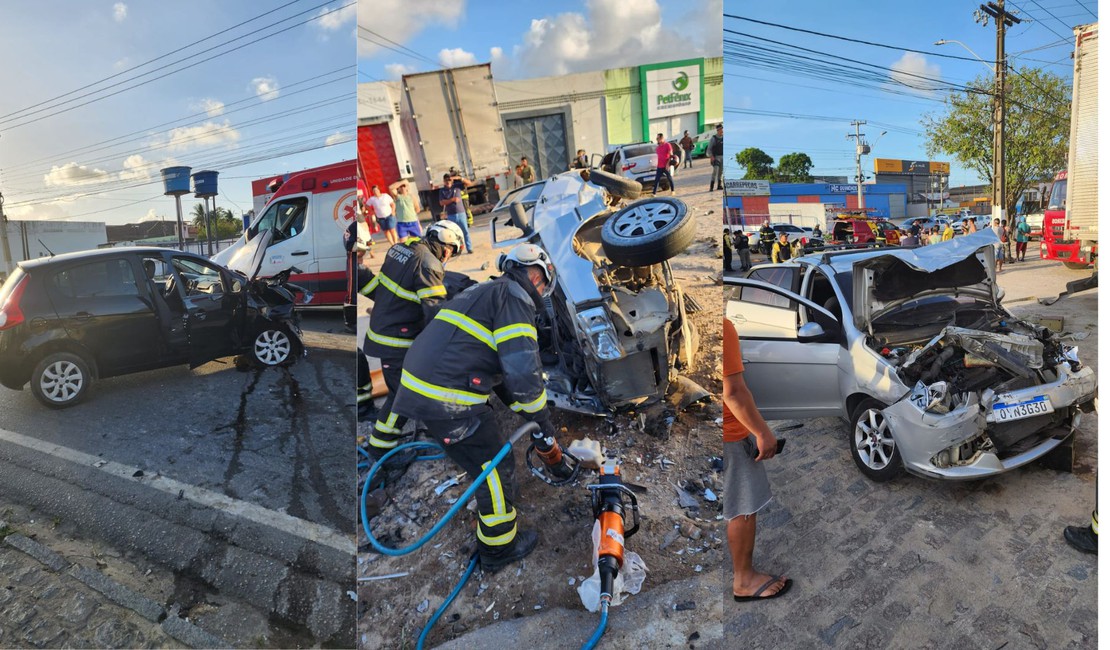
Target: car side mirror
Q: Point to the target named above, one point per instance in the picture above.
(811, 332)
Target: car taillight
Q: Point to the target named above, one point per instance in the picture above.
(627, 166)
(10, 313)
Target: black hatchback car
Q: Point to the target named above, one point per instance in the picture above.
(70, 319)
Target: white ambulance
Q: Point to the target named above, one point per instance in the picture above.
(308, 212)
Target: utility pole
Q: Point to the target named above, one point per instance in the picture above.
(7, 249)
(862, 149)
(1002, 20)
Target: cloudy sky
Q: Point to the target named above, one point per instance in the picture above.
(757, 94)
(94, 105)
(523, 39)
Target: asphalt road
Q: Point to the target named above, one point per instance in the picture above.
(251, 472)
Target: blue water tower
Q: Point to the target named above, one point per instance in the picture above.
(176, 182)
(204, 184)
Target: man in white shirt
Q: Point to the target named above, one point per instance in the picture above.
(383, 213)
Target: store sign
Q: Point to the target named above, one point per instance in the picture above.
(923, 167)
(842, 189)
(735, 187)
(673, 91)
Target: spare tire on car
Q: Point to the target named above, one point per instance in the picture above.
(648, 232)
(617, 185)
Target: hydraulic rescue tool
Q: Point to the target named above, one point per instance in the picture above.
(557, 463)
(608, 496)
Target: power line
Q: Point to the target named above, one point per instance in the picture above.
(172, 72)
(400, 49)
(852, 40)
(146, 63)
(1042, 23)
(1087, 9)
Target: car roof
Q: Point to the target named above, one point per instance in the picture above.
(98, 253)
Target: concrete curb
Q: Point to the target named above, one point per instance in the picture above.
(178, 628)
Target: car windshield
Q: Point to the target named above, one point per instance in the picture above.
(639, 150)
(931, 310)
(785, 227)
(1059, 195)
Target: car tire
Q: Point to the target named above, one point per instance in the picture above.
(648, 232)
(871, 443)
(617, 185)
(1077, 266)
(275, 345)
(61, 380)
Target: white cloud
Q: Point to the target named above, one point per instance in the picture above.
(119, 12)
(136, 168)
(266, 88)
(337, 138)
(456, 57)
(72, 174)
(213, 107)
(50, 211)
(151, 215)
(201, 135)
(335, 20)
(498, 61)
(910, 68)
(614, 33)
(395, 70)
(405, 19)
(122, 63)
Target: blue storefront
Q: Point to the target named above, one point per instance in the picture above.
(887, 200)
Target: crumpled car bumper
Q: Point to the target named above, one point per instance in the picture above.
(923, 436)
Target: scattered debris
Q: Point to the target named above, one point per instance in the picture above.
(709, 495)
(442, 487)
(684, 499)
(423, 607)
(684, 606)
(402, 574)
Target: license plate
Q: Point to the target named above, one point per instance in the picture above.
(1008, 412)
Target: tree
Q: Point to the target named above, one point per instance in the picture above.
(1038, 107)
(226, 224)
(794, 168)
(757, 163)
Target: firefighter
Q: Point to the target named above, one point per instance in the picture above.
(484, 341)
(780, 252)
(407, 292)
(766, 238)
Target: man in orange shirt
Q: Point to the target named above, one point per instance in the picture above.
(747, 441)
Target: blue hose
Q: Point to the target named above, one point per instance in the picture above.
(589, 645)
(443, 608)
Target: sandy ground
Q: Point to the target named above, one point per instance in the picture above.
(683, 549)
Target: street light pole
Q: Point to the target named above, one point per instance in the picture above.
(1002, 20)
(4, 245)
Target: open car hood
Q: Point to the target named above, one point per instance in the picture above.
(958, 266)
(248, 259)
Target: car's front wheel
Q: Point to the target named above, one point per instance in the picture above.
(275, 346)
(872, 444)
(648, 232)
(60, 380)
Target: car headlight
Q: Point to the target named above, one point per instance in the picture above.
(599, 331)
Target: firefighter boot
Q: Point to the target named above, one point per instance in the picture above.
(1081, 538)
(524, 544)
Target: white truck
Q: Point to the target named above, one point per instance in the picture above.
(307, 213)
(1071, 226)
(442, 136)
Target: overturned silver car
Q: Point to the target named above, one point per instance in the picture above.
(615, 332)
(914, 348)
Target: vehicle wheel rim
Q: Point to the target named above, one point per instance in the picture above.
(874, 444)
(272, 347)
(62, 381)
(645, 218)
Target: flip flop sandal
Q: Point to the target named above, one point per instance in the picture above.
(785, 588)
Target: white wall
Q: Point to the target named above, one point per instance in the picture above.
(31, 239)
(583, 93)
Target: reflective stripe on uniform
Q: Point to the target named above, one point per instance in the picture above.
(369, 287)
(497, 494)
(533, 406)
(499, 540)
(390, 341)
(495, 520)
(468, 325)
(439, 393)
(389, 425)
(1094, 522)
(502, 334)
(382, 444)
(397, 289)
(429, 292)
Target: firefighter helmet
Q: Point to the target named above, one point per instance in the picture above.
(529, 255)
(447, 233)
